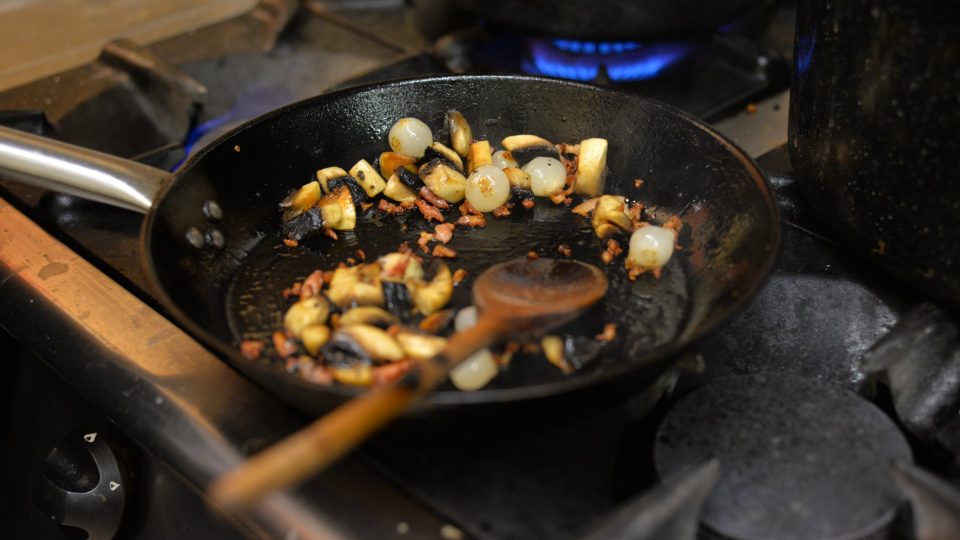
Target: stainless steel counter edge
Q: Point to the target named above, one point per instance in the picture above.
(171, 395)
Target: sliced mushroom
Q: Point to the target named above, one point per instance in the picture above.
(592, 168)
(390, 161)
(314, 337)
(419, 346)
(377, 343)
(524, 148)
(517, 177)
(444, 181)
(339, 210)
(409, 179)
(329, 173)
(355, 374)
(480, 154)
(610, 217)
(439, 151)
(460, 133)
(359, 285)
(553, 349)
(433, 296)
(313, 310)
(397, 297)
(398, 266)
(398, 191)
(304, 225)
(300, 200)
(370, 315)
(368, 178)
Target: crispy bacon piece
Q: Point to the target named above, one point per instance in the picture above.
(532, 255)
(566, 148)
(609, 332)
(424, 241)
(393, 209)
(430, 212)
(318, 375)
(365, 206)
(290, 242)
(432, 198)
(634, 212)
(612, 251)
(251, 348)
(361, 255)
(458, 276)
(565, 250)
(571, 165)
(527, 203)
(293, 290)
(674, 224)
(467, 209)
(330, 232)
(443, 232)
(502, 210)
(472, 220)
(283, 344)
(443, 251)
(638, 183)
(312, 285)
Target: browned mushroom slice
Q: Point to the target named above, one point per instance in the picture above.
(461, 136)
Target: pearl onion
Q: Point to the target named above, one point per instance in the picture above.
(475, 372)
(651, 247)
(488, 188)
(410, 136)
(504, 159)
(547, 176)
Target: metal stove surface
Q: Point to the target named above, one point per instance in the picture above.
(821, 311)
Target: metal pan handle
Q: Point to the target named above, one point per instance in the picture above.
(50, 164)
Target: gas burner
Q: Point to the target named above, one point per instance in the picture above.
(798, 459)
(617, 61)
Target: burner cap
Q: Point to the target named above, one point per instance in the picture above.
(798, 460)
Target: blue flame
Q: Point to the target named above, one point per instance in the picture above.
(624, 60)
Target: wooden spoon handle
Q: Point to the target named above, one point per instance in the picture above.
(324, 441)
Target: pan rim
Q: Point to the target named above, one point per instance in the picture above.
(655, 359)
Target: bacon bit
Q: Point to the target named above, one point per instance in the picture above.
(335, 320)
(404, 247)
(511, 347)
(467, 209)
(565, 250)
(351, 261)
(443, 251)
(674, 224)
(502, 210)
(312, 285)
(527, 203)
(558, 198)
(361, 255)
(532, 255)
(609, 332)
(429, 211)
(432, 198)
(330, 232)
(393, 209)
(384, 375)
(398, 269)
(638, 183)
(458, 276)
(290, 242)
(503, 359)
(393, 330)
(612, 251)
(571, 165)
(751, 108)
(251, 348)
(473, 220)
(364, 206)
(425, 239)
(293, 290)
(284, 345)
(443, 232)
(634, 212)
(565, 148)
(328, 276)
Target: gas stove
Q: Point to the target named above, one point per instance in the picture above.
(826, 409)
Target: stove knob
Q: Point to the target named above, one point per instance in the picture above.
(80, 484)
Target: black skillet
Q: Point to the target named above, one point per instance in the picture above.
(212, 248)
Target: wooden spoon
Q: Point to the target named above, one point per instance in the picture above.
(516, 297)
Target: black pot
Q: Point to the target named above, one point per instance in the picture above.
(875, 131)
